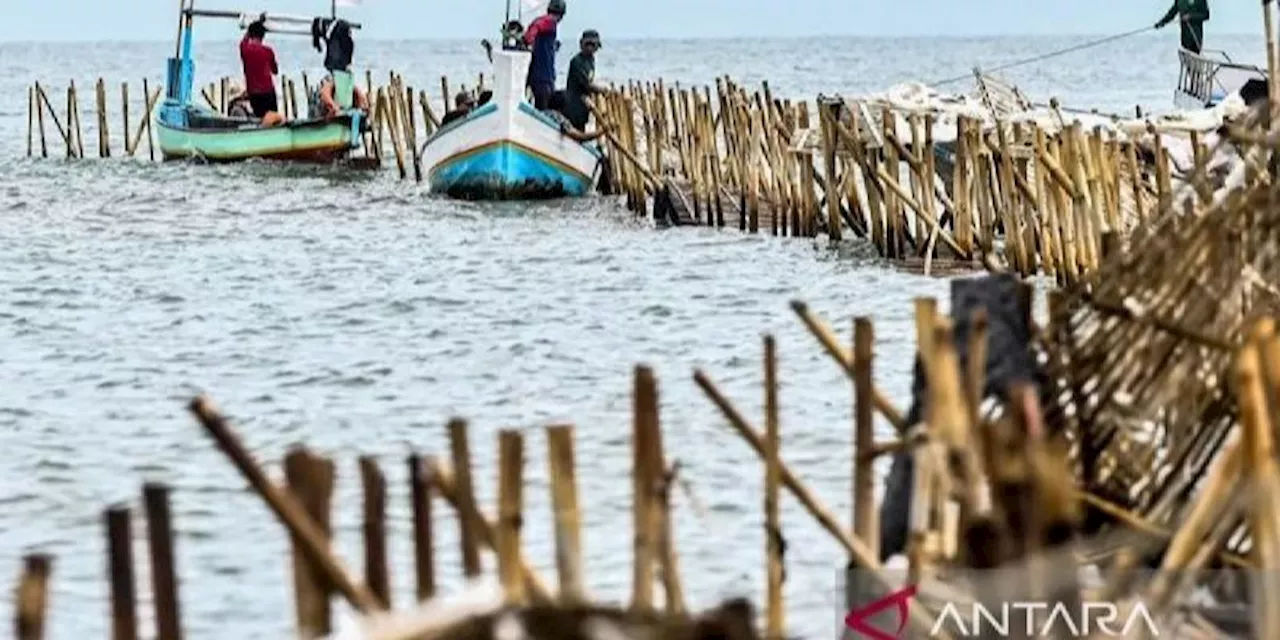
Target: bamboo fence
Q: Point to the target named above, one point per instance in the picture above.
(1014, 195)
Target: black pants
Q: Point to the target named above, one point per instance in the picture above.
(263, 103)
(542, 94)
(1192, 36)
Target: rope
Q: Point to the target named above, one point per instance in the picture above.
(1045, 56)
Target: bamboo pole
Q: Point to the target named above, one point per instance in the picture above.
(374, 485)
(485, 531)
(862, 556)
(564, 500)
(41, 101)
(510, 506)
(469, 519)
(826, 337)
(310, 479)
(151, 102)
(422, 488)
(164, 578)
(866, 524)
(124, 601)
(104, 139)
(32, 597)
(774, 611)
(286, 508)
(124, 111)
(644, 414)
(65, 132)
(31, 119)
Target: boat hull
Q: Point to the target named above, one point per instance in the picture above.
(506, 149)
(511, 153)
(314, 141)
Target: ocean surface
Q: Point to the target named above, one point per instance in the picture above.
(358, 313)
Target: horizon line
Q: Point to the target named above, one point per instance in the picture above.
(650, 38)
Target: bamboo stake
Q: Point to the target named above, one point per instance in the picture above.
(645, 413)
(40, 105)
(124, 110)
(774, 611)
(412, 133)
(510, 503)
(375, 530)
(124, 606)
(852, 545)
(866, 524)
(31, 118)
(104, 136)
(310, 479)
(564, 499)
(151, 102)
(486, 532)
(65, 132)
(164, 578)
(32, 597)
(831, 344)
(469, 519)
(74, 107)
(290, 513)
(421, 487)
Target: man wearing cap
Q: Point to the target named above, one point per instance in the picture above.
(462, 106)
(540, 38)
(582, 80)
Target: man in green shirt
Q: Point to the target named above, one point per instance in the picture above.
(1193, 14)
(582, 80)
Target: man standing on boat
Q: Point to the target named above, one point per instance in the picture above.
(582, 80)
(540, 38)
(1193, 14)
(259, 62)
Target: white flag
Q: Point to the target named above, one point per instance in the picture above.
(348, 3)
(533, 7)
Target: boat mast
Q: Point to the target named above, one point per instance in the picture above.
(182, 17)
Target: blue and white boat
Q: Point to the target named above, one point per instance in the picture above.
(506, 149)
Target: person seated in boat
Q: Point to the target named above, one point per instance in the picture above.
(326, 103)
(540, 38)
(259, 63)
(338, 90)
(485, 97)
(581, 81)
(1192, 15)
(556, 104)
(462, 105)
(240, 107)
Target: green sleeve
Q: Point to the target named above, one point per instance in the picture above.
(1172, 13)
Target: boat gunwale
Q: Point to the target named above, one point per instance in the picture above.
(343, 119)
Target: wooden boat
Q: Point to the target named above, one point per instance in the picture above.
(508, 150)
(1206, 78)
(188, 130)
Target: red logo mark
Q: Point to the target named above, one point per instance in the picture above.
(857, 618)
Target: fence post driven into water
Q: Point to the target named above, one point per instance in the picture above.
(124, 601)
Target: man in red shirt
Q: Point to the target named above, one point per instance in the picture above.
(259, 63)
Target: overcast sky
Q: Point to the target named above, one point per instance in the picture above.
(469, 19)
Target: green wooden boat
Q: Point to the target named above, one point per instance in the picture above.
(207, 135)
(186, 130)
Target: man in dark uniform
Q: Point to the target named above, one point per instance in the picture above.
(540, 38)
(581, 80)
(1193, 14)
